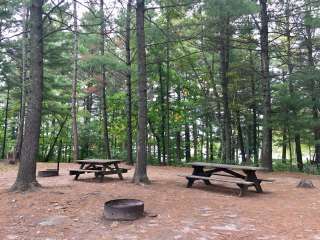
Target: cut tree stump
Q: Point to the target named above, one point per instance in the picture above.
(305, 183)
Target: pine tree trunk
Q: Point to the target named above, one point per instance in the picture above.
(266, 152)
(129, 88)
(224, 68)
(167, 90)
(240, 139)
(187, 143)
(284, 145)
(291, 87)
(26, 178)
(75, 144)
(140, 174)
(5, 125)
(18, 145)
(105, 128)
(195, 140)
(163, 114)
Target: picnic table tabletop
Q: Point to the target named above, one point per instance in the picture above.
(98, 161)
(226, 166)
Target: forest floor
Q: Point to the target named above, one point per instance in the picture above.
(68, 209)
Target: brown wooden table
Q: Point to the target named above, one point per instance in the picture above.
(204, 171)
(99, 167)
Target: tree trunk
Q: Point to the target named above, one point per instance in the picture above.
(26, 178)
(163, 114)
(195, 140)
(291, 87)
(224, 68)
(168, 89)
(187, 143)
(18, 145)
(140, 173)
(5, 125)
(240, 138)
(178, 133)
(75, 145)
(129, 88)
(266, 153)
(55, 141)
(284, 145)
(106, 142)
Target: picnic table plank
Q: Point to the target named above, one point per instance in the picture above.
(227, 166)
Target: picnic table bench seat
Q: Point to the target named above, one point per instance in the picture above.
(242, 184)
(105, 172)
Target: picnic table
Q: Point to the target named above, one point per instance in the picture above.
(247, 178)
(100, 168)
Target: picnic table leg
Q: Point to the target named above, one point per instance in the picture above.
(198, 171)
(243, 189)
(252, 177)
(118, 171)
(78, 174)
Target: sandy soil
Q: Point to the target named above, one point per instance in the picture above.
(68, 209)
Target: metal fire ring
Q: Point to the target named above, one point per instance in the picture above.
(123, 209)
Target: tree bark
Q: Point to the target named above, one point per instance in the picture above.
(195, 140)
(129, 88)
(75, 144)
(5, 125)
(163, 114)
(266, 152)
(106, 142)
(140, 174)
(187, 143)
(26, 178)
(284, 145)
(18, 145)
(224, 68)
(240, 138)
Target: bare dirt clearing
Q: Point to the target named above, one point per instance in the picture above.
(68, 209)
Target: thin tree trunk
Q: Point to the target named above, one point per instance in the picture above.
(187, 143)
(195, 140)
(240, 138)
(129, 88)
(26, 178)
(140, 174)
(18, 145)
(163, 114)
(168, 89)
(266, 154)
(55, 141)
(75, 144)
(284, 145)
(291, 87)
(106, 142)
(5, 125)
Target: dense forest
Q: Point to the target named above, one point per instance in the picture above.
(161, 81)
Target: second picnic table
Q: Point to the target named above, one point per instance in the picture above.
(99, 167)
(204, 171)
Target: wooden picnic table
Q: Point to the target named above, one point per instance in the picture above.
(99, 167)
(204, 171)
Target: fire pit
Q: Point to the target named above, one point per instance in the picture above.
(123, 209)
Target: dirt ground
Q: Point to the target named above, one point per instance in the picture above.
(68, 209)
